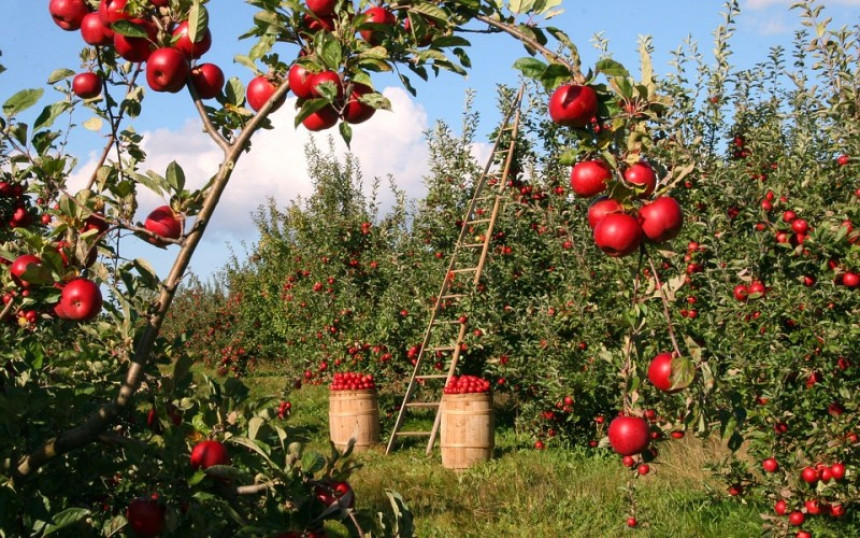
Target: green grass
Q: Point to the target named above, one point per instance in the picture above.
(561, 491)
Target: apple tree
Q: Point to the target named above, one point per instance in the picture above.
(106, 427)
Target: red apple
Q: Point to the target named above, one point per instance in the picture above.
(662, 219)
(208, 80)
(837, 471)
(809, 475)
(741, 292)
(378, 16)
(182, 41)
(628, 435)
(111, 11)
(326, 76)
(314, 24)
(757, 289)
(163, 222)
(259, 91)
(80, 300)
(160, 3)
(167, 70)
(87, 85)
(618, 234)
(68, 14)
(796, 518)
(322, 119)
(572, 105)
(145, 517)
(300, 81)
(38, 273)
(321, 8)
(851, 279)
(600, 209)
(641, 175)
(780, 507)
(770, 465)
(356, 111)
(136, 49)
(660, 373)
(94, 32)
(589, 178)
(205, 454)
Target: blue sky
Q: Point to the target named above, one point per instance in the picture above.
(390, 143)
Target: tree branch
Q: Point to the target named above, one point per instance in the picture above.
(98, 422)
(520, 36)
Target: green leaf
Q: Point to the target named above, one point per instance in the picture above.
(252, 444)
(21, 101)
(175, 176)
(67, 517)
(254, 427)
(329, 49)
(59, 74)
(450, 41)
(346, 132)
(49, 114)
(683, 373)
(530, 67)
(312, 462)
(611, 68)
(198, 21)
(129, 29)
(146, 272)
(336, 529)
(235, 92)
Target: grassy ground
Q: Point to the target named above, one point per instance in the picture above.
(568, 492)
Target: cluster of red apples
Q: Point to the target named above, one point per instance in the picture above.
(80, 298)
(467, 384)
(352, 381)
(620, 221)
(147, 515)
(169, 52)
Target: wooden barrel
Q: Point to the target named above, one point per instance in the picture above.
(353, 413)
(466, 430)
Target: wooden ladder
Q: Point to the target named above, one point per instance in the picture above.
(468, 259)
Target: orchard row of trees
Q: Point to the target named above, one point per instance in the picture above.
(757, 294)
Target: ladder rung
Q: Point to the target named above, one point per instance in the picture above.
(465, 270)
(431, 376)
(454, 296)
(423, 405)
(478, 221)
(443, 348)
(412, 434)
(472, 245)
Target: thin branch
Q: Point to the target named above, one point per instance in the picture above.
(520, 36)
(99, 421)
(207, 121)
(665, 301)
(6, 309)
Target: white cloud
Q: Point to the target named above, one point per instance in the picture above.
(389, 143)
